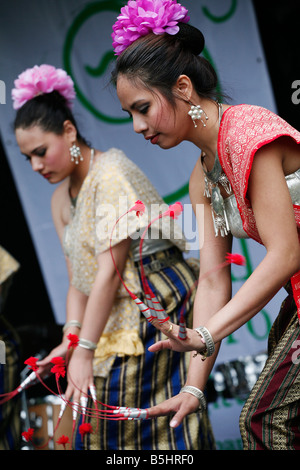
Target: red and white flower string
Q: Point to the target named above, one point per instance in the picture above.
(115, 413)
(151, 311)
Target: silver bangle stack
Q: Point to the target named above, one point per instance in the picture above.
(87, 344)
(197, 393)
(209, 342)
(71, 323)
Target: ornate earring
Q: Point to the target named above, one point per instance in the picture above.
(197, 113)
(76, 154)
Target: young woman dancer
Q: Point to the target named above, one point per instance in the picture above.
(96, 187)
(247, 180)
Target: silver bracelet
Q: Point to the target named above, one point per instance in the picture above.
(71, 323)
(197, 393)
(87, 344)
(209, 342)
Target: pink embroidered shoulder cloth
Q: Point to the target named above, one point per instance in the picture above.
(243, 130)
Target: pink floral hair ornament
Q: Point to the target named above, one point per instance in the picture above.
(40, 80)
(141, 17)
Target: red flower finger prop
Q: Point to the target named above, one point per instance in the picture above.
(85, 428)
(173, 212)
(146, 310)
(63, 440)
(59, 368)
(230, 258)
(73, 341)
(115, 413)
(31, 363)
(153, 310)
(28, 435)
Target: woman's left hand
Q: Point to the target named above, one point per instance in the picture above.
(192, 342)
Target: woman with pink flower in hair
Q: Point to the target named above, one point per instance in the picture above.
(247, 181)
(112, 360)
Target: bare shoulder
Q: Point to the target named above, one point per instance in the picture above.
(284, 150)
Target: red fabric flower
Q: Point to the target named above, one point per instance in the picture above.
(73, 341)
(59, 367)
(85, 428)
(174, 210)
(31, 362)
(139, 207)
(63, 440)
(235, 258)
(28, 435)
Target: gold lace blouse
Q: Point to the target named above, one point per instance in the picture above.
(112, 186)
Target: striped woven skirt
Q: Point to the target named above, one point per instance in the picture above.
(270, 419)
(151, 378)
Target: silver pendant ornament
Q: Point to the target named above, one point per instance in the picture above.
(211, 190)
(219, 216)
(212, 179)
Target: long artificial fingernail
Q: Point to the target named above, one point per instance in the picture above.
(83, 404)
(75, 410)
(173, 423)
(93, 392)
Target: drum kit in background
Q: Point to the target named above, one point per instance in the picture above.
(41, 413)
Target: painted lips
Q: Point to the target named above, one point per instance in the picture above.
(153, 139)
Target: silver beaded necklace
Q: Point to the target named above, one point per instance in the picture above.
(212, 179)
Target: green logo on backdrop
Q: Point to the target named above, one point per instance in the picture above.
(93, 9)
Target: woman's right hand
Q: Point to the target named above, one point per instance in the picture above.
(80, 375)
(45, 364)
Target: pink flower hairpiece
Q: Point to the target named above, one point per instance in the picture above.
(40, 80)
(141, 17)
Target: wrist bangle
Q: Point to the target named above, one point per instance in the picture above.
(197, 393)
(71, 323)
(87, 344)
(208, 340)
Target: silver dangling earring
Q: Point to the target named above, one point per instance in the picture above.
(76, 154)
(197, 113)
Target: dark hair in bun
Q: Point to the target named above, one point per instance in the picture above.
(191, 38)
(49, 111)
(158, 60)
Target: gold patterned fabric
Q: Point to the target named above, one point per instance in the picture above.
(8, 265)
(270, 419)
(112, 186)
